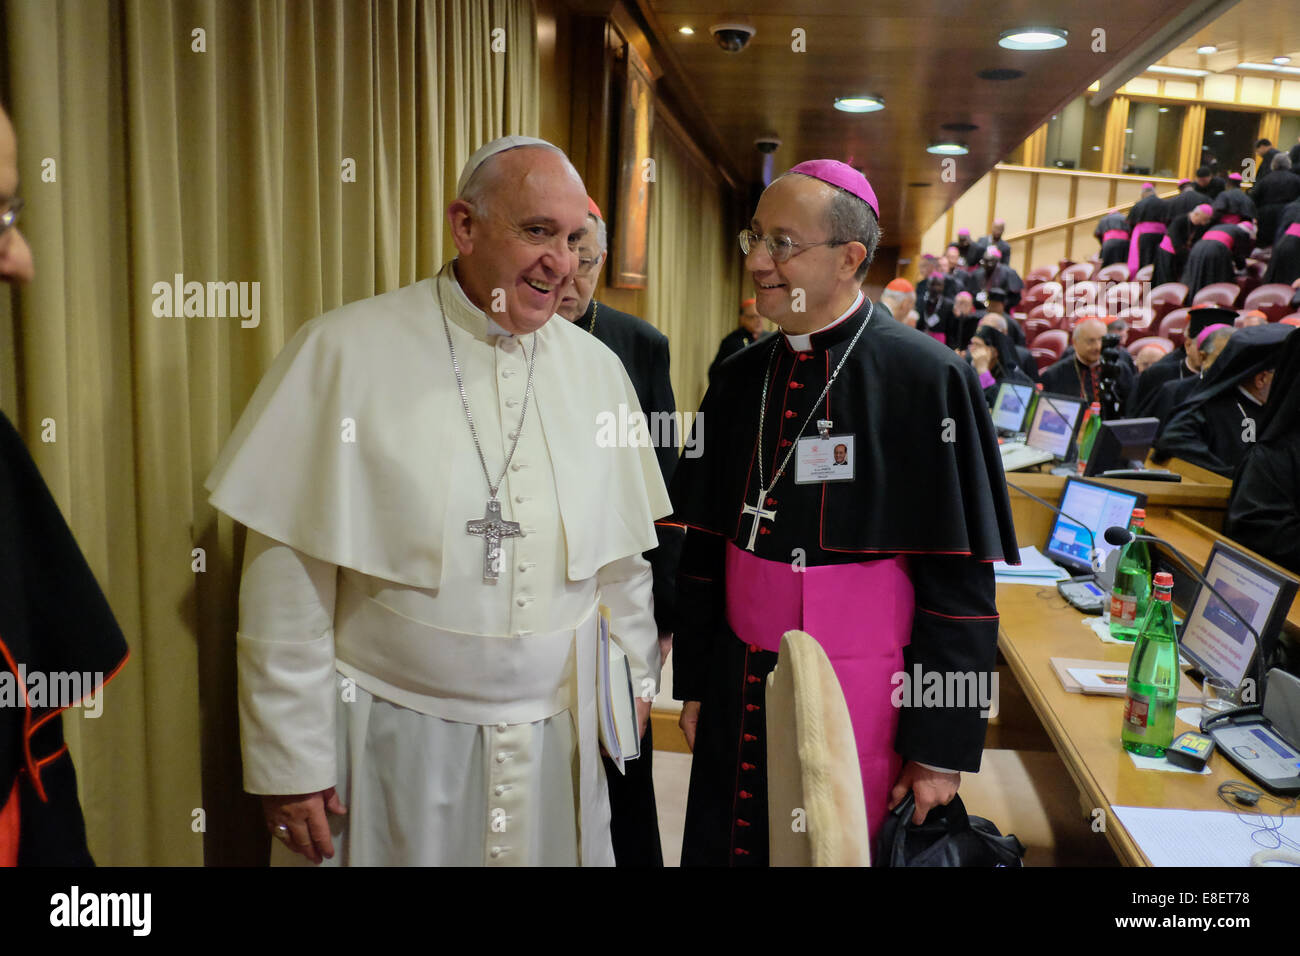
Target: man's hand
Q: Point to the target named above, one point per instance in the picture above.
(930, 787)
(642, 716)
(304, 815)
(690, 717)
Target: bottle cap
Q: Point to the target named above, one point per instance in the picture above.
(1164, 579)
(1139, 512)
(1095, 406)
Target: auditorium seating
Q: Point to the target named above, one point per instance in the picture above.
(1115, 272)
(1145, 274)
(1274, 300)
(1172, 326)
(1218, 293)
(1075, 273)
(1165, 298)
(1033, 327)
(1050, 344)
(1137, 345)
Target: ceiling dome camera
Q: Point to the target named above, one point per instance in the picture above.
(732, 37)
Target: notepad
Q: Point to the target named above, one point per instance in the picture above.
(617, 703)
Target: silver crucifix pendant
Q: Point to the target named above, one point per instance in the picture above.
(492, 529)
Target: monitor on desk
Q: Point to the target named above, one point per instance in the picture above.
(1055, 420)
(1213, 638)
(1095, 507)
(1122, 443)
(1010, 406)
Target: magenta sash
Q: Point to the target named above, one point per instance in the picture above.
(1229, 219)
(1216, 235)
(1293, 230)
(861, 614)
(1167, 245)
(1110, 234)
(939, 337)
(1140, 230)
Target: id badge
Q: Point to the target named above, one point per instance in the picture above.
(824, 459)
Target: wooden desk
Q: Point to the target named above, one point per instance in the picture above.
(1085, 729)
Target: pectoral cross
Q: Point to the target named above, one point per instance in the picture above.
(493, 529)
(759, 514)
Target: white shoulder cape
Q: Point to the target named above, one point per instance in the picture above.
(375, 504)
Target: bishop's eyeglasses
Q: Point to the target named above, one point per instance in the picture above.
(780, 248)
(9, 217)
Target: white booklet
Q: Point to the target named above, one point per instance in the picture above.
(616, 702)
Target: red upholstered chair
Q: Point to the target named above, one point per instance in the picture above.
(1041, 274)
(1052, 341)
(1137, 345)
(1082, 294)
(1172, 326)
(1138, 319)
(1274, 300)
(1034, 327)
(1121, 295)
(1145, 273)
(1039, 294)
(1115, 272)
(1165, 298)
(1246, 285)
(1218, 293)
(1062, 265)
(1256, 269)
(1075, 272)
(1043, 357)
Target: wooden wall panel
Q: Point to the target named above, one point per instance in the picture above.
(1012, 200)
(972, 209)
(1093, 196)
(1053, 202)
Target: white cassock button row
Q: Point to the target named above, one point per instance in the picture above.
(496, 852)
(502, 727)
(501, 756)
(515, 466)
(512, 402)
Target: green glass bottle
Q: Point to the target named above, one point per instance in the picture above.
(1153, 677)
(1130, 594)
(1088, 434)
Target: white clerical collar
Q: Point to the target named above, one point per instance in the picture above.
(492, 327)
(1248, 395)
(803, 343)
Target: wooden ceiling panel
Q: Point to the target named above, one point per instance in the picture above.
(922, 56)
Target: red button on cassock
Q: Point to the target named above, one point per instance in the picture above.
(753, 648)
(740, 852)
(789, 413)
(746, 766)
(745, 794)
(750, 738)
(751, 707)
(753, 678)
(742, 823)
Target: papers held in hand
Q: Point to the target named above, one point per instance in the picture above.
(617, 703)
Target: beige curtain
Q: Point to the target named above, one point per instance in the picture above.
(693, 293)
(149, 149)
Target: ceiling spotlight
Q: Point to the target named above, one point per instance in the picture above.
(1096, 149)
(686, 31)
(1163, 109)
(1279, 60)
(948, 148)
(860, 104)
(919, 185)
(1207, 49)
(1000, 73)
(1218, 132)
(1128, 131)
(1033, 38)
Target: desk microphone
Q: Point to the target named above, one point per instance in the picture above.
(1121, 536)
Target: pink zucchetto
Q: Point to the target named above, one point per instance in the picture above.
(992, 252)
(1235, 177)
(963, 232)
(1208, 331)
(842, 176)
(1205, 209)
(1150, 186)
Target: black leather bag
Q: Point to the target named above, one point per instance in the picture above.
(948, 837)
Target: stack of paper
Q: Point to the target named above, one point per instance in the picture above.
(1034, 568)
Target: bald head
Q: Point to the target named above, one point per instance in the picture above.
(1213, 344)
(15, 255)
(517, 227)
(995, 320)
(1087, 340)
(1147, 356)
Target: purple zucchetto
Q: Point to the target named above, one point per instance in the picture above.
(1235, 177)
(1205, 209)
(842, 176)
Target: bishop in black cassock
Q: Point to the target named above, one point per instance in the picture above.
(1176, 244)
(888, 567)
(643, 350)
(1219, 422)
(1081, 372)
(1112, 233)
(54, 620)
(1146, 223)
(1217, 256)
(1183, 362)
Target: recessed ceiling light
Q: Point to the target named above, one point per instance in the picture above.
(1000, 73)
(919, 185)
(686, 31)
(1033, 38)
(1128, 131)
(1279, 60)
(1218, 132)
(948, 148)
(1208, 49)
(959, 127)
(1163, 109)
(860, 104)
(1176, 71)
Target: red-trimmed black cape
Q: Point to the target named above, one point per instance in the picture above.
(928, 484)
(53, 619)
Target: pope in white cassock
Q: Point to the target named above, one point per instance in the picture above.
(431, 528)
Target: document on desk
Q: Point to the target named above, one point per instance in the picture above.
(1200, 837)
(1034, 568)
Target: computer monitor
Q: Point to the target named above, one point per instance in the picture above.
(1055, 420)
(1214, 639)
(1120, 443)
(1094, 507)
(1010, 406)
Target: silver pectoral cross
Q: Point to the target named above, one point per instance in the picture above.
(493, 529)
(759, 514)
